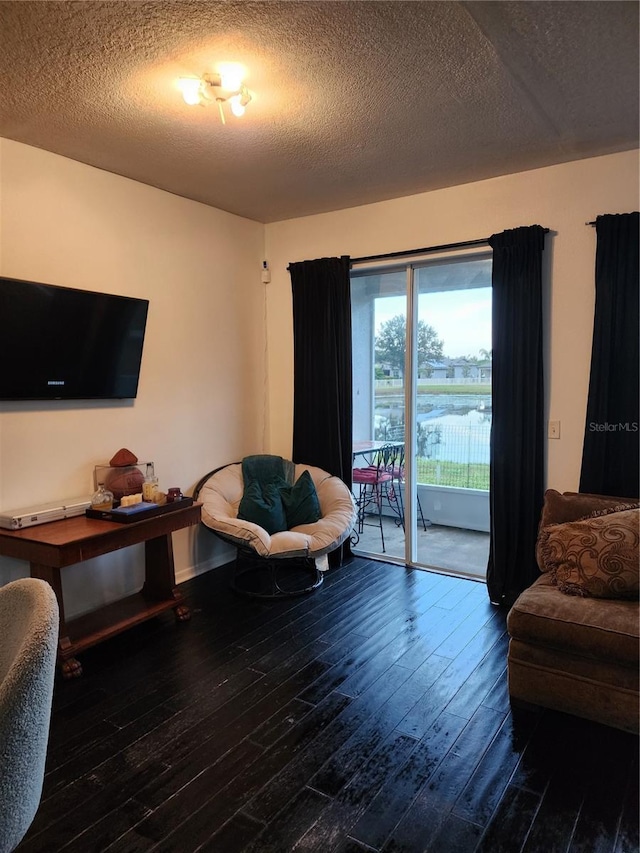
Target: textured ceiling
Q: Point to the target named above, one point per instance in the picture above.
(355, 101)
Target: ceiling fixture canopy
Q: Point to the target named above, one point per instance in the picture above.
(226, 86)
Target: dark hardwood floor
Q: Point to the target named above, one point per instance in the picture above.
(372, 715)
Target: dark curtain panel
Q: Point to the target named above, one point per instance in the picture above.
(322, 403)
(517, 430)
(610, 452)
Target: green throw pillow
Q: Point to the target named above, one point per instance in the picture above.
(263, 507)
(301, 504)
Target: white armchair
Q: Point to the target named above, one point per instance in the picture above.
(28, 647)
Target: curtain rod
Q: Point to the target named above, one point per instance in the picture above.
(592, 224)
(461, 245)
(481, 242)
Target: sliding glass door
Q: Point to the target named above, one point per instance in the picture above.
(422, 385)
(379, 321)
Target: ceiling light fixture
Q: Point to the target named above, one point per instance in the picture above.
(225, 87)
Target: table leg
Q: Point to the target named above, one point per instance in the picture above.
(69, 666)
(159, 575)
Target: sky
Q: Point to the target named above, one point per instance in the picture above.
(461, 318)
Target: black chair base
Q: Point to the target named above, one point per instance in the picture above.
(269, 578)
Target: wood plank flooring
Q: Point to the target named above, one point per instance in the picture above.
(372, 715)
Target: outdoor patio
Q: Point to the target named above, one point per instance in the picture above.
(450, 548)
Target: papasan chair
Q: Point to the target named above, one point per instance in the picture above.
(287, 562)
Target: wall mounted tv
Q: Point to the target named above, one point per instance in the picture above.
(59, 343)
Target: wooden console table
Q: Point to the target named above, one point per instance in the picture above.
(50, 547)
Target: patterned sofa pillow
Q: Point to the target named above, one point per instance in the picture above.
(574, 506)
(595, 557)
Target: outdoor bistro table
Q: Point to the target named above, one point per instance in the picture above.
(368, 449)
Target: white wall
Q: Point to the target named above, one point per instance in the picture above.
(203, 387)
(201, 397)
(561, 198)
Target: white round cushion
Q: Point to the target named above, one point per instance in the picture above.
(221, 495)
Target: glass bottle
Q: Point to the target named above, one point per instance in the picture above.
(102, 499)
(150, 485)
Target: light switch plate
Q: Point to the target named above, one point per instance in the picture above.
(553, 430)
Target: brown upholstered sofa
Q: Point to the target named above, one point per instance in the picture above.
(577, 650)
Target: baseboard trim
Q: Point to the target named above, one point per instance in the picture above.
(186, 573)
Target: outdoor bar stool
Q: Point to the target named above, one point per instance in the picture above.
(398, 476)
(376, 487)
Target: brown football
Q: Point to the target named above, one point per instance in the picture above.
(124, 481)
(123, 457)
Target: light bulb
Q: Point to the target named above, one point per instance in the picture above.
(237, 107)
(190, 88)
(231, 75)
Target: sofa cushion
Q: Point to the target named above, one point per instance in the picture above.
(607, 629)
(572, 506)
(596, 557)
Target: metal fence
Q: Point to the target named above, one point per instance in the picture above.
(449, 454)
(480, 379)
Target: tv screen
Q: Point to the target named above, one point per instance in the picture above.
(59, 343)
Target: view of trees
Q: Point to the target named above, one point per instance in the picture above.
(391, 343)
(485, 355)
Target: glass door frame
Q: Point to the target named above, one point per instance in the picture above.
(410, 265)
(410, 400)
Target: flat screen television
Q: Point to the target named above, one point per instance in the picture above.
(60, 343)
